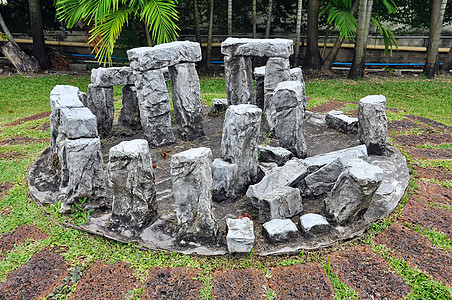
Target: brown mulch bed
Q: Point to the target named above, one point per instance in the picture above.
(429, 153)
(23, 140)
(401, 125)
(239, 284)
(328, 106)
(433, 193)
(307, 281)
(20, 235)
(417, 250)
(368, 273)
(432, 123)
(29, 118)
(37, 278)
(103, 281)
(42, 127)
(11, 155)
(420, 213)
(413, 140)
(440, 174)
(172, 283)
(4, 187)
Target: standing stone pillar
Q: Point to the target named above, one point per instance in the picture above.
(239, 80)
(192, 183)
(372, 123)
(131, 177)
(288, 100)
(259, 75)
(153, 100)
(187, 104)
(100, 102)
(277, 70)
(129, 116)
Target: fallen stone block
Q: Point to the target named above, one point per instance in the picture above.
(279, 155)
(107, 77)
(337, 120)
(278, 230)
(281, 203)
(314, 163)
(372, 123)
(257, 47)
(240, 237)
(78, 122)
(314, 224)
(322, 180)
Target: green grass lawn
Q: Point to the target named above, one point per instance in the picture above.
(22, 96)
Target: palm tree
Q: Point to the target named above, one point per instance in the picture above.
(312, 59)
(229, 18)
(197, 27)
(254, 20)
(106, 19)
(209, 37)
(269, 19)
(298, 32)
(39, 47)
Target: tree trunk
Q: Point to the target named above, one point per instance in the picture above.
(269, 19)
(6, 31)
(209, 36)
(20, 60)
(298, 34)
(312, 59)
(229, 18)
(362, 33)
(447, 66)
(39, 47)
(148, 36)
(436, 22)
(254, 20)
(331, 56)
(197, 29)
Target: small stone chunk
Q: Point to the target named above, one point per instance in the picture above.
(223, 176)
(278, 155)
(107, 77)
(239, 80)
(164, 55)
(192, 184)
(240, 237)
(257, 47)
(129, 117)
(219, 105)
(322, 180)
(314, 224)
(131, 177)
(372, 123)
(100, 102)
(78, 122)
(281, 203)
(337, 120)
(353, 191)
(278, 230)
(287, 99)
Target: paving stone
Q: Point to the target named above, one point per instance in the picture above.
(37, 278)
(240, 237)
(368, 273)
(431, 193)
(239, 284)
(172, 283)
(419, 213)
(278, 230)
(22, 233)
(418, 251)
(307, 281)
(103, 281)
(314, 224)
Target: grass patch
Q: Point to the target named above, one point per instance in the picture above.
(445, 146)
(341, 290)
(433, 163)
(446, 183)
(437, 238)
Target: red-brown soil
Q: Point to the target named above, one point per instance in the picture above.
(433, 193)
(22, 140)
(239, 284)
(23, 233)
(4, 187)
(440, 174)
(29, 118)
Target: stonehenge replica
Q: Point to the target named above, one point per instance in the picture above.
(323, 179)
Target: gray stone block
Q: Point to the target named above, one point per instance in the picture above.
(288, 103)
(219, 105)
(163, 55)
(337, 120)
(107, 77)
(353, 191)
(224, 175)
(78, 122)
(131, 177)
(314, 224)
(100, 102)
(186, 97)
(280, 230)
(239, 80)
(257, 47)
(240, 237)
(314, 163)
(280, 203)
(372, 123)
(278, 155)
(322, 180)
(192, 190)
(129, 117)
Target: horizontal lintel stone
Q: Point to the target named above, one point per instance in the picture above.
(257, 47)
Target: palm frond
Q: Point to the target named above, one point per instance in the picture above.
(388, 37)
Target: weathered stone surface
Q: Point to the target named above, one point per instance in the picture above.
(82, 174)
(372, 123)
(100, 102)
(107, 77)
(314, 224)
(288, 103)
(163, 55)
(129, 116)
(277, 70)
(131, 176)
(219, 104)
(287, 175)
(259, 75)
(278, 230)
(280, 203)
(78, 122)
(296, 74)
(239, 144)
(223, 177)
(322, 180)
(239, 80)
(314, 163)
(278, 155)
(337, 120)
(240, 237)
(153, 101)
(192, 184)
(353, 191)
(257, 47)
(187, 104)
